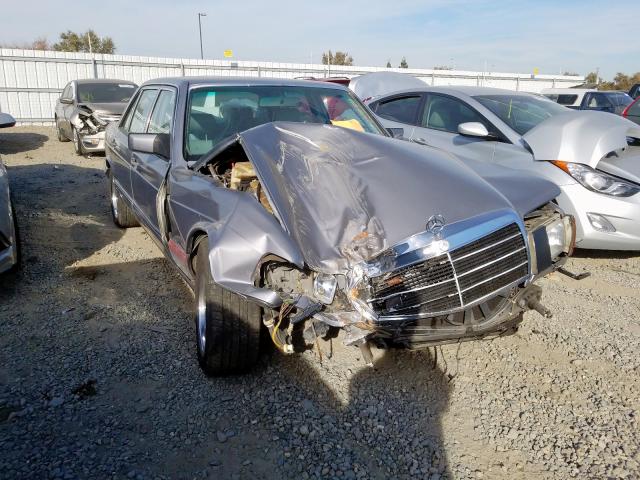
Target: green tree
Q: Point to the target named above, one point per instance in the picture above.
(88, 41)
(403, 63)
(388, 63)
(591, 77)
(339, 58)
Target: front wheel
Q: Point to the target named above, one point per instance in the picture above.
(61, 136)
(227, 325)
(122, 215)
(77, 142)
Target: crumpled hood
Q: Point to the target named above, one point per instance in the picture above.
(345, 195)
(109, 108)
(580, 137)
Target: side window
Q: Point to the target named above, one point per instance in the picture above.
(446, 113)
(403, 110)
(598, 100)
(141, 112)
(162, 115)
(567, 99)
(125, 123)
(66, 93)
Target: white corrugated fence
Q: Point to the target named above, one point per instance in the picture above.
(32, 80)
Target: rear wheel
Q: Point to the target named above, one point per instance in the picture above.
(227, 325)
(16, 239)
(120, 212)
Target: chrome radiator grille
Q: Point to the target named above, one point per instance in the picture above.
(453, 280)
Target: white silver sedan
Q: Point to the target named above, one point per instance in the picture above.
(593, 157)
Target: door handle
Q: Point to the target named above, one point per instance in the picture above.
(134, 160)
(420, 141)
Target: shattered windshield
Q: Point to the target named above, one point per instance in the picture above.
(521, 112)
(105, 92)
(215, 113)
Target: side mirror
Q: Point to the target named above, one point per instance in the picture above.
(396, 132)
(155, 143)
(6, 120)
(67, 101)
(473, 129)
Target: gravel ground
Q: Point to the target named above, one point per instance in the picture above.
(98, 375)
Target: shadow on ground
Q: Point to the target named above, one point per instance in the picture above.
(12, 141)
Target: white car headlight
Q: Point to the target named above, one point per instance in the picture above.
(556, 233)
(598, 181)
(324, 287)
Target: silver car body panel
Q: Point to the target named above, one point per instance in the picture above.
(8, 234)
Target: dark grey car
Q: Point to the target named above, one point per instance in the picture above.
(285, 204)
(9, 247)
(86, 107)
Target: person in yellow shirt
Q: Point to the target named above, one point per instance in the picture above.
(341, 115)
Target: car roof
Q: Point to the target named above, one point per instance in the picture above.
(240, 81)
(465, 90)
(89, 81)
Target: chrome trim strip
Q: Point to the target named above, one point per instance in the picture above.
(491, 278)
(378, 299)
(516, 235)
(424, 303)
(418, 316)
(493, 261)
(455, 277)
(411, 250)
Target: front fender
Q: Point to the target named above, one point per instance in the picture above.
(239, 242)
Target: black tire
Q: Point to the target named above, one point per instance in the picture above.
(77, 143)
(61, 135)
(16, 240)
(227, 326)
(122, 215)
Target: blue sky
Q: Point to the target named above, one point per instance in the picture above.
(515, 36)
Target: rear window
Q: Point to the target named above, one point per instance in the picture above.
(622, 99)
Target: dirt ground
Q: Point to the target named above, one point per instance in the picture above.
(98, 375)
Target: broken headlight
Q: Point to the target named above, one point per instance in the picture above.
(557, 235)
(324, 287)
(597, 181)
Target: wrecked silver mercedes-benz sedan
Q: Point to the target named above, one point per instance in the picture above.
(284, 204)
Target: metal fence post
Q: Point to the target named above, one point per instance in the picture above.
(95, 67)
(182, 69)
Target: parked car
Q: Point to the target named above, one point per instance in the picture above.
(9, 245)
(585, 153)
(284, 203)
(632, 112)
(86, 107)
(589, 99)
(634, 92)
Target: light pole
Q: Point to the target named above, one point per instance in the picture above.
(200, 30)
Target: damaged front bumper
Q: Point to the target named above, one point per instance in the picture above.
(92, 142)
(470, 280)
